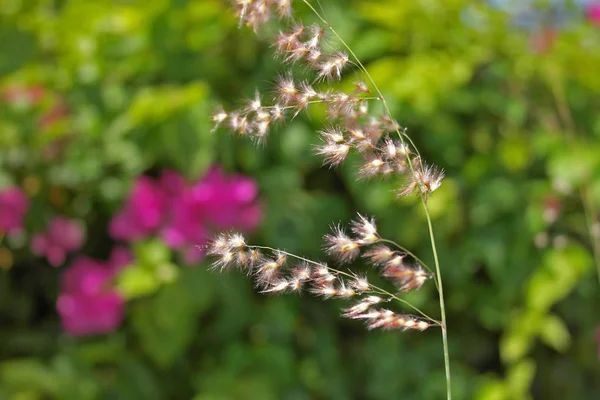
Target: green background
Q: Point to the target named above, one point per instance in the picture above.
(513, 125)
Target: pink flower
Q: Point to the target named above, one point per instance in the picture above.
(171, 183)
(88, 304)
(31, 95)
(598, 342)
(227, 202)
(593, 13)
(143, 213)
(13, 207)
(185, 214)
(120, 257)
(543, 41)
(217, 202)
(58, 113)
(63, 236)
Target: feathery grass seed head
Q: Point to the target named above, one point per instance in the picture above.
(340, 246)
(365, 230)
(379, 255)
(424, 180)
(360, 284)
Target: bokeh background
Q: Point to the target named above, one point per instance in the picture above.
(109, 177)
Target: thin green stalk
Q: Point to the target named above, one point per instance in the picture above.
(442, 304)
(311, 102)
(591, 214)
(589, 209)
(423, 200)
(405, 250)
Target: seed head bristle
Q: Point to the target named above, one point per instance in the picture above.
(361, 87)
(390, 125)
(373, 166)
(360, 284)
(218, 117)
(326, 290)
(388, 319)
(224, 261)
(284, 8)
(379, 255)
(333, 153)
(317, 33)
(340, 246)
(285, 41)
(424, 180)
(365, 230)
(286, 90)
(332, 67)
(267, 271)
(344, 291)
(361, 306)
(280, 257)
(253, 13)
(302, 272)
(277, 112)
(373, 129)
(277, 286)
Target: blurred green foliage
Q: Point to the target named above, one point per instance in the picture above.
(514, 125)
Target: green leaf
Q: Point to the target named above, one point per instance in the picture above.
(165, 324)
(515, 153)
(493, 390)
(31, 374)
(519, 378)
(520, 335)
(155, 104)
(561, 271)
(514, 346)
(136, 281)
(152, 253)
(573, 165)
(555, 333)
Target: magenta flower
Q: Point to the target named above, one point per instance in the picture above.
(62, 237)
(88, 304)
(227, 202)
(542, 41)
(13, 207)
(31, 95)
(216, 202)
(143, 212)
(172, 183)
(184, 214)
(593, 13)
(120, 257)
(57, 113)
(34, 95)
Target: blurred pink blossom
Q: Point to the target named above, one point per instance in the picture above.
(184, 214)
(13, 207)
(593, 13)
(58, 113)
(598, 342)
(30, 94)
(544, 40)
(143, 211)
(33, 95)
(88, 304)
(215, 202)
(63, 236)
(225, 202)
